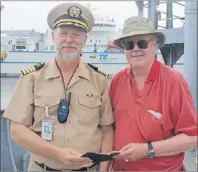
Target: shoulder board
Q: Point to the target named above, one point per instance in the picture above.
(98, 70)
(32, 68)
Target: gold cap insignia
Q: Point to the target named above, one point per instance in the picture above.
(74, 11)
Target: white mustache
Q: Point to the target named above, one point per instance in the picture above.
(67, 46)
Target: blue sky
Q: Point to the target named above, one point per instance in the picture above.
(28, 15)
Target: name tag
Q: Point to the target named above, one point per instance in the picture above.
(47, 130)
(47, 126)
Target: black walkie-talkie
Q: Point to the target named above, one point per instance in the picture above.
(63, 109)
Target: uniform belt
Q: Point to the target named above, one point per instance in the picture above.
(51, 169)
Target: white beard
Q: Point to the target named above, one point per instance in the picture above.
(67, 57)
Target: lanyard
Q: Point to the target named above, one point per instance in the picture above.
(65, 87)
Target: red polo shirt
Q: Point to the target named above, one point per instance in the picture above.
(165, 92)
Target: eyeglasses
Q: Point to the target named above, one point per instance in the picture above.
(142, 44)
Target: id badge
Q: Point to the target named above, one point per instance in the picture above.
(47, 126)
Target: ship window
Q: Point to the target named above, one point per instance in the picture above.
(20, 47)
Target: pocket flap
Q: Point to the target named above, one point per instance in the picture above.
(46, 101)
(90, 102)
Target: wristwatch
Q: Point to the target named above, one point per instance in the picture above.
(151, 152)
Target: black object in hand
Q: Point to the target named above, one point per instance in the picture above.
(99, 157)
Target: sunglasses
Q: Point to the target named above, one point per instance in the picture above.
(142, 44)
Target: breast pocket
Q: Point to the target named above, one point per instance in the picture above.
(89, 109)
(153, 128)
(41, 103)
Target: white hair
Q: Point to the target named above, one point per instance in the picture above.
(155, 39)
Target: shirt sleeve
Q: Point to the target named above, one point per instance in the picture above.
(20, 108)
(106, 112)
(183, 111)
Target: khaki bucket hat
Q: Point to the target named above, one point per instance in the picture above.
(139, 26)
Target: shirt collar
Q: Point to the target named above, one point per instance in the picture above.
(52, 70)
(153, 74)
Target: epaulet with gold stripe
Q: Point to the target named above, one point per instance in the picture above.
(98, 70)
(32, 68)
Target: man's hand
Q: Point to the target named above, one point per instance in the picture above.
(133, 152)
(71, 157)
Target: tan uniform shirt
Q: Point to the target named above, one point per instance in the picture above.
(89, 108)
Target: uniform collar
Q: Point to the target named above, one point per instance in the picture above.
(153, 74)
(82, 70)
(52, 70)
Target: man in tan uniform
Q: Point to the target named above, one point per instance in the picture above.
(61, 109)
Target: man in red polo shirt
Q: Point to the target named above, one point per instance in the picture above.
(156, 121)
